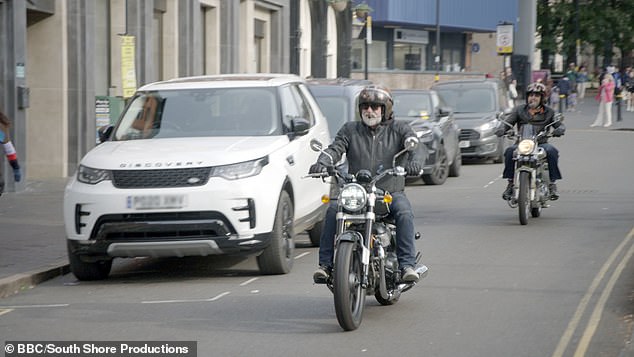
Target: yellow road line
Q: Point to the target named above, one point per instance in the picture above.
(572, 325)
(595, 318)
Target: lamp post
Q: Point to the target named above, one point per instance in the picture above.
(362, 11)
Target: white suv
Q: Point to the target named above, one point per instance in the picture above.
(200, 166)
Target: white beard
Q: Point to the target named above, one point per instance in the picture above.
(371, 119)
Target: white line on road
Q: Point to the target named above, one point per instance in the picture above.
(248, 281)
(30, 306)
(217, 297)
(302, 255)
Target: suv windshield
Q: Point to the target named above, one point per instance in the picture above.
(468, 100)
(201, 112)
(412, 105)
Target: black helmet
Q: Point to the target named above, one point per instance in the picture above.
(376, 94)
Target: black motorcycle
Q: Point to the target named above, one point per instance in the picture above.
(531, 180)
(365, 261)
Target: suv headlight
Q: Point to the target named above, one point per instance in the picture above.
(92, 176)
(240, 170)
(488, 126)
(526, 147)
(353, 197)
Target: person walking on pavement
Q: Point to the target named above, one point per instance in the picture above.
(605, 96)
(582, 82)
(9, 151)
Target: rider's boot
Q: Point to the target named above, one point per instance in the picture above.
(552, 189)
(320, 276)
(409, 275)
(508, 193)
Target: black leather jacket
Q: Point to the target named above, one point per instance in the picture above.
(521, 116)
(374, 149)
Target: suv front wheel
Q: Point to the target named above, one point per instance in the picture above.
(87, 270)
(277, 258)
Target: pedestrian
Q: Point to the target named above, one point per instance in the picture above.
(582, 82)
(629, 88)
(511, 86)
(571, 74)
(9, 151)
(572, 100)
(605, 96)
(564, 90)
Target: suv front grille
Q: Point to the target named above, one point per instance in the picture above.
(168, 226)
(189, 177)
(469, 134)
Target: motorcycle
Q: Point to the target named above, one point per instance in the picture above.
(365, 261)
(531, 179)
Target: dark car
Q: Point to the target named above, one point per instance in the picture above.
(426, 111)
(477, 104)
(337, 99)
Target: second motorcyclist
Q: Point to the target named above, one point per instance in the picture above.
(371, 144)
(535, 113)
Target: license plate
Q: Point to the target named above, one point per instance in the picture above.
(464, 144)
(156, 201)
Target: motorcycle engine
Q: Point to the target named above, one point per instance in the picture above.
(382, 234)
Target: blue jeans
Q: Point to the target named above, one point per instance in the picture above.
(400, 209)
(552, 156)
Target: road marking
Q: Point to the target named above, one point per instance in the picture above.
(30, 306)
(217, 297)
(4, 311)
(595, 318)
(302, 255)
(573, 324)
(248, 281)
(492, 181)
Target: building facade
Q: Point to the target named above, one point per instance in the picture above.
(69, 65)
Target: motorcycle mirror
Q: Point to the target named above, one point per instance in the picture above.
(316, 145)
(411, 143)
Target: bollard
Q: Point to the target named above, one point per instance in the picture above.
(618, 106)
(561, 102)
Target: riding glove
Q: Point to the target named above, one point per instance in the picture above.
(559, 131)
(414, 169)
(317, 168)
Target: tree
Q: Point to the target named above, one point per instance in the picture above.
(603, 24)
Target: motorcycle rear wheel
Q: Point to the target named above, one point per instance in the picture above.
(348, 292)
(523, 199)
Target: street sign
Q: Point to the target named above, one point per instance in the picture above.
(504, 42)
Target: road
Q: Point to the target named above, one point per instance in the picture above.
(560, 286)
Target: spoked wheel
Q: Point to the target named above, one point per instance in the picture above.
(348, 292)
(523, 199)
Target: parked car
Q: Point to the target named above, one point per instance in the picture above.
(200, 166)
(427, 113)
(477, 104)
(338, 99)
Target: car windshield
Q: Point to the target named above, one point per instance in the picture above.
(468, 100)
(336, 110)
(201, 112)
(411, 105)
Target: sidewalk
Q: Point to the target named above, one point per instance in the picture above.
(32, 238)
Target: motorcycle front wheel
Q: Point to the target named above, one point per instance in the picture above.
(523, 199)
(347, 289)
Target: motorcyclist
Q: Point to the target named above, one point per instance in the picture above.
(536, 113)
(371, 144)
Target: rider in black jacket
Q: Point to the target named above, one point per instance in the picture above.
(371, 144)
(536, 113)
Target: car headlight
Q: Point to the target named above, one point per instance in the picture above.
(353, 197)
(488, 126)
(92, 176)
(424, 134)
(240, 170)
(526, 147)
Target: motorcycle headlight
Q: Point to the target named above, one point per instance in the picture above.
(526, 147)
(92, 176)
(353, 197)
(240, 170)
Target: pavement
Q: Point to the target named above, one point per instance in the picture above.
(32, 237)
